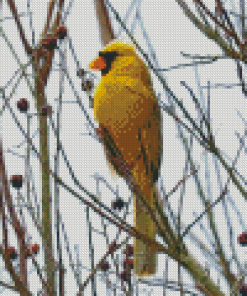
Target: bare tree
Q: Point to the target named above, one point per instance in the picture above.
(195, 134)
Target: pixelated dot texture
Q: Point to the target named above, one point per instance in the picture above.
(130, 122)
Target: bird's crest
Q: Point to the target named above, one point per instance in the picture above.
(121, 47)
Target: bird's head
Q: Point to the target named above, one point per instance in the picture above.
(109, 54)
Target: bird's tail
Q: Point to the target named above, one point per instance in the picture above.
(145, 257)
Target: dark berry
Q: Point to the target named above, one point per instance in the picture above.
(242, 239)
(31, 249)
(62, 32)
(35, 249)
(23, 105)
(49, 43)
(87, 85)
(118, 204)
(16, 181)
(11, 251)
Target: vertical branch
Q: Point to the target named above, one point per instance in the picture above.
(91, 251)
(27, 160)
(60, 278)
(105, 27)
(22, 246)
(3, 215)
(60, 284)
(180, 212)
(46, 203)
(41, 78)
(40, 83)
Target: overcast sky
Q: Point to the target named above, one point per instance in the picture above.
(170, 33)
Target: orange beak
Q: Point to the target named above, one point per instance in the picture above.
(98, 64)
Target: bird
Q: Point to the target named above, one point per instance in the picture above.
(130, 129)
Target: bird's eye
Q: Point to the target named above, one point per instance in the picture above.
(109, 57)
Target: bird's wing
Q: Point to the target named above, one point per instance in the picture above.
(134, 114)
(150, 132)
(113, 154)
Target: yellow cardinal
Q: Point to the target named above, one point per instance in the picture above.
(130, 128)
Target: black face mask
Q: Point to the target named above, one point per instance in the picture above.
(109, 58)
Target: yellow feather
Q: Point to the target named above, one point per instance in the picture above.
(126, 107)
